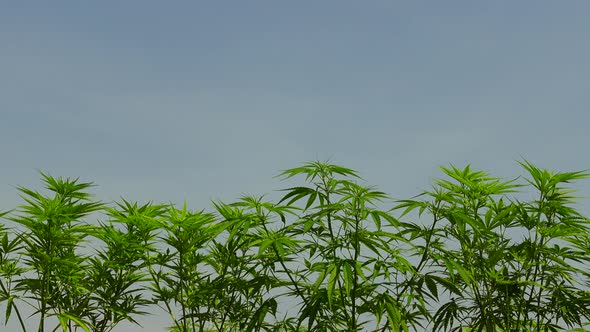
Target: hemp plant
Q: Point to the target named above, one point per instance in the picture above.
(504, 264)
(9, 271)
(53, 269)
(178, 273)
(355, 276)
(244, 272)
(119, 270)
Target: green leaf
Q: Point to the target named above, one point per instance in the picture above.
(348, 277)
(310, 199)
(64, 318)
(9, 304)
(264, 245)
(431, 285)
(446, 283)
(333, 269)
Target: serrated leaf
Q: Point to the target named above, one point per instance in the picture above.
(431, 285)
(348, 277)
(332, 282)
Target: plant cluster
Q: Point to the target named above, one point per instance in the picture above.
(330, 255)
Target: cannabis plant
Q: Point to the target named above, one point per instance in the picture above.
(52, 235)
(504, 264)
(352, 274)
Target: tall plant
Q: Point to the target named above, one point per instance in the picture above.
(245, 272)
(504, 264)
(52, 237)
(355, 274)
(118, 272)
(10, 271)
(178, 267)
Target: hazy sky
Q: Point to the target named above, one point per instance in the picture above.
(194, 100)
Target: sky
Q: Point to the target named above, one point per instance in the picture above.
(208, 100)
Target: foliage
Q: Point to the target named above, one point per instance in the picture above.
(505, 264)
(330, 255)
(53, 273)
(355, 273)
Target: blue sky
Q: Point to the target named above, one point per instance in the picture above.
(194, 100)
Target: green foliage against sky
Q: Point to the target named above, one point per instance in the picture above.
(333, 254)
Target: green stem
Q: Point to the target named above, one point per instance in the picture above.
(355, 277)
